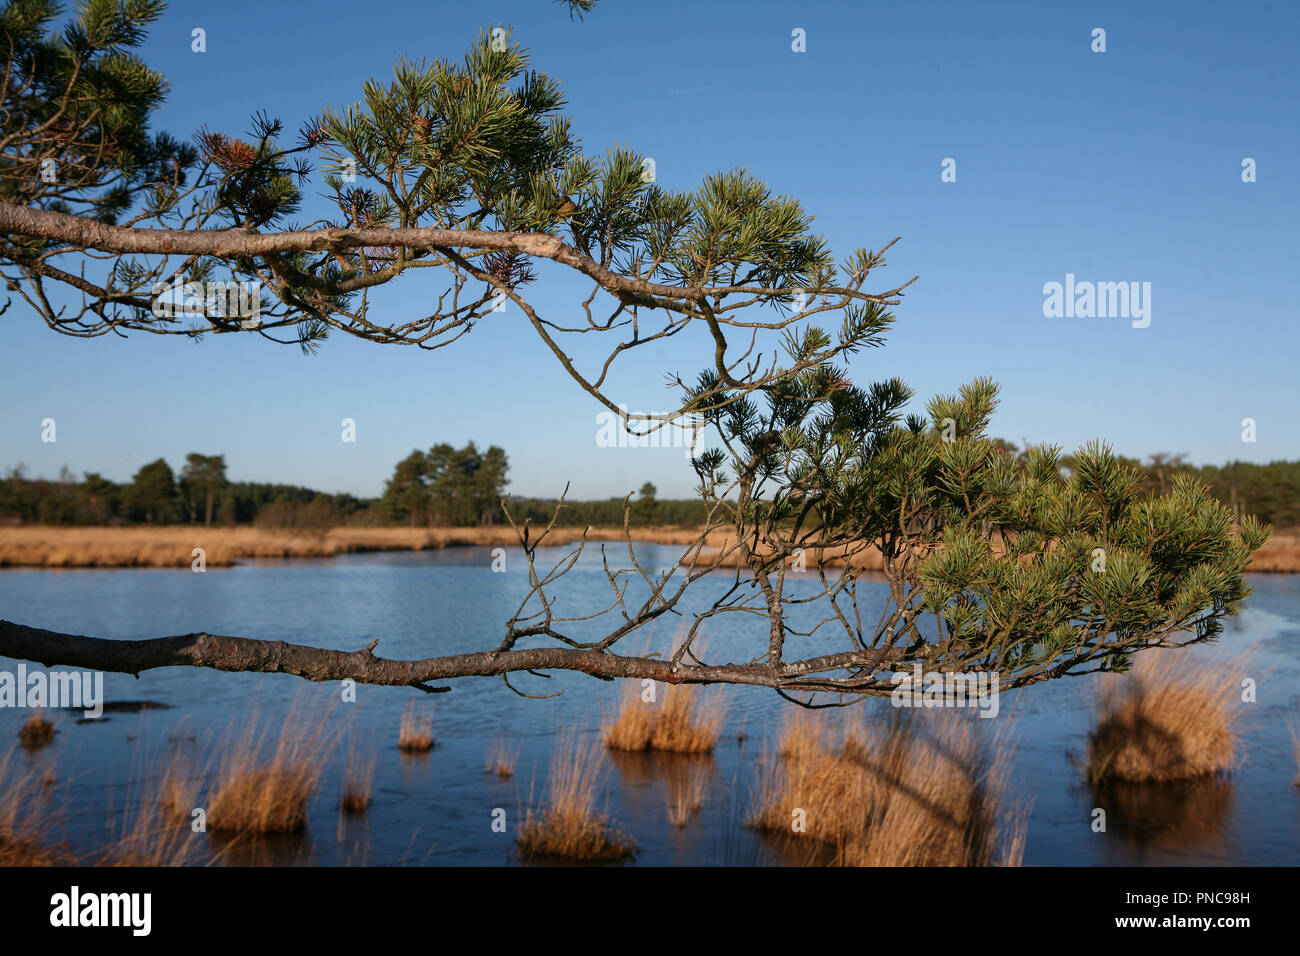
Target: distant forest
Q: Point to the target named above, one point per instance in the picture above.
(447, 486)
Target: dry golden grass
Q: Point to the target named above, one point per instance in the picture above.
(415, 734)
(152, 835)
(36, 732)
(802, 735)
(682, 723)
(898, 794)
(569, 825)
(358, 780)
(24, 815)
(632, 729)
(172, 546)
(1171, 718)
(1280, 554)
(689, 722)
(256, 793)
(178, 787)
(502, 757)
(148, 835)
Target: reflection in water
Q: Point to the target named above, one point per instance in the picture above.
(1151, 818)
(263, 849)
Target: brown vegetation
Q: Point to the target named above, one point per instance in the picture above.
(569, 825)
(257, 794)
(502, 757)
(172, 546)
(682, 723)
(36, 732)
(415, 734)
(1169, 719)
(632, 729)
(896, 794)
(358, 780)
(23, 808)
(178, 787)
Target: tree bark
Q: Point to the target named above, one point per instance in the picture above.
(225, 653)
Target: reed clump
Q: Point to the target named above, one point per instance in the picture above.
(23, 823)
(570, 825)
(415, 735)
(893, 794)
(501, 758)
(683, 723)
(36, 732)
(1170, 719)
(261, 793)
(358, 780)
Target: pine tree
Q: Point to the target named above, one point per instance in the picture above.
(469, 171)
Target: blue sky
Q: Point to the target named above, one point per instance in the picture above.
(1114, 167)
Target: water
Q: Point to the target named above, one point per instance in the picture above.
(437, 809)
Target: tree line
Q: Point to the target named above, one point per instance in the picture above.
(447, 486)
(199, 494)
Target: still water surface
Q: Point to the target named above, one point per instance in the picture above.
(437, 809)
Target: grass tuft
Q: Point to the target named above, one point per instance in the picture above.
(569, 826)
(36, 732)
(1168, 720)
(358, 780)
(415, 735)
(682, 723)
(260, 794)
(501, 759)
(897, 794)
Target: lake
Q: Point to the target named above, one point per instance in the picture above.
(437, 809)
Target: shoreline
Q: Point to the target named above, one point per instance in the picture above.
(173, 546)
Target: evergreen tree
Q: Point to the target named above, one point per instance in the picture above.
(202, 479)
(152, 493)
(406, 496)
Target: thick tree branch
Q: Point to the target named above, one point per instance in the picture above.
(83, 233)
(226, 653)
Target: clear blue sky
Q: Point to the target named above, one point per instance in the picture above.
(1115, 166)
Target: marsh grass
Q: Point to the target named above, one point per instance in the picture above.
(1170, 719)
(415, 734)
(501, 758)
(265, 787)
(802, 735)
(904, 792)
(689, 721)
(171, 546)
(36, 732)
(25, 815)
(358, 779)
(684, 722)
(569, 825)
(633, 727)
